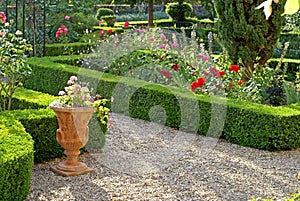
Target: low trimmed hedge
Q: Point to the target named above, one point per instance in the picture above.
(246, 123)
(16, 159)
(31, 109)
(78, 47)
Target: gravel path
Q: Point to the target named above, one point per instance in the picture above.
(146, 161)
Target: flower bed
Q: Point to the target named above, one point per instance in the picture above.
(246, 123)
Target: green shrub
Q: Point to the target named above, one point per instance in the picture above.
(179, 11)
(246, 123)
(102, 12)
(78, 48)
(248, 37)
(16, 159)
(109, 19)
(158, 15)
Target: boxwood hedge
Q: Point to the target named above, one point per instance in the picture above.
(246, 123)
(16, 159)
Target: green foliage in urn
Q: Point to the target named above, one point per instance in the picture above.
(245, 33)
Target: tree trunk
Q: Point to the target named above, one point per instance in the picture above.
(150, 13)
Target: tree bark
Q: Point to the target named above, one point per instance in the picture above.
(150, 13)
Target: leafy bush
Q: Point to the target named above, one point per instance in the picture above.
(76, 18)
(141, 16)
(16, 159)
(102, 12)
(179, 11)
(14, 69)
(109, 19)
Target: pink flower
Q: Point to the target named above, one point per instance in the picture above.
(142, 31)
(173, 44)
(126, 24)
(102, 32)
(91, 99)
(109, 31)
(166, 73)
(204, 57)
(57, 34)
(214, 71)
(73, 78)
(162, 46)
(67, 17)
(163, 37)
(70, 82)
(2, 17)
(64, 29)
(152, 38)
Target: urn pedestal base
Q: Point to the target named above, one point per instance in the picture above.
(74, 170)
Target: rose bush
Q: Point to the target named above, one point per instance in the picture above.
(13, 56)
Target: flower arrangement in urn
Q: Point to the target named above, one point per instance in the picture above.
(74, 109)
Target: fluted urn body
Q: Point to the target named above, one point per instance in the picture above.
(72, 135)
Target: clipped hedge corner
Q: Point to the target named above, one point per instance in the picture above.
(16, 159)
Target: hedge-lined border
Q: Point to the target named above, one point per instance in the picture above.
(16, 159)
(247, 124)
(30, 108)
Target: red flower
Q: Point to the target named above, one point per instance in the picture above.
(109, 31)
(126, 25)
(101, 32)
(166, 73)
(194, 85)
(199, 83)
(240, 82)
(176, 67)
(221, 73)
(235, 68)
(61, 30)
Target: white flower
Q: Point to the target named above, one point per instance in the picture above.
(18, 32)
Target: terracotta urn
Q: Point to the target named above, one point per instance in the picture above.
(72, 135)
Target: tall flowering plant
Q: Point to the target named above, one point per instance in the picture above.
(13, 56)
(78, 94)
(62, 35)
